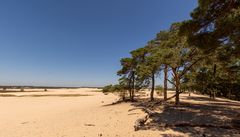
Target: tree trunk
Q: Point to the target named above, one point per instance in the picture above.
(214, 78)
(177, 101)
(133, 85)
(165, 82)
(214, 94)
(130, 88)
(132, 98)
(123, 95)
(177, 85)
(230, 92)
(130, 93)
(202, 90)
(153, 87)
(210, 93)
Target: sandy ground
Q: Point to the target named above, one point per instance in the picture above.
(67, 116)
(72, 113)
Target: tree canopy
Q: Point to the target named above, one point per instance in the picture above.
(201, 54)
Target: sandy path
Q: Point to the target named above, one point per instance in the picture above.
(68, 116)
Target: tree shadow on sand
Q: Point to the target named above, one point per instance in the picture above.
(214, 101)
(210, 119)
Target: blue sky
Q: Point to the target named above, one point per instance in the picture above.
(77, 42)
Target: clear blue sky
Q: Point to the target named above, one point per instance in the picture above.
(77, 42)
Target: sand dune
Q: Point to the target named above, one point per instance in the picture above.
(70, 116)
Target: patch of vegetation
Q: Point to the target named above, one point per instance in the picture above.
(159, 90)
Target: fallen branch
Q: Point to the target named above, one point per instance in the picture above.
(141, 121)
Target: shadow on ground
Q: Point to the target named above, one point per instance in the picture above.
(213, 113)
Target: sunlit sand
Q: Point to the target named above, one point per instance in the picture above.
(88, 112)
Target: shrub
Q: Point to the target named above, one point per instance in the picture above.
(107, 88)
(159, 90)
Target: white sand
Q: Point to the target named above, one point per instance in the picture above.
(68, 116)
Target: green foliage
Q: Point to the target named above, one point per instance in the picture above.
(118, 88)
(214, 23)
(203, 54)
(215, 29)
(107, 89)
(159, 90)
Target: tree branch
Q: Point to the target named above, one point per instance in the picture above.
(171, 82)
(189, 67)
